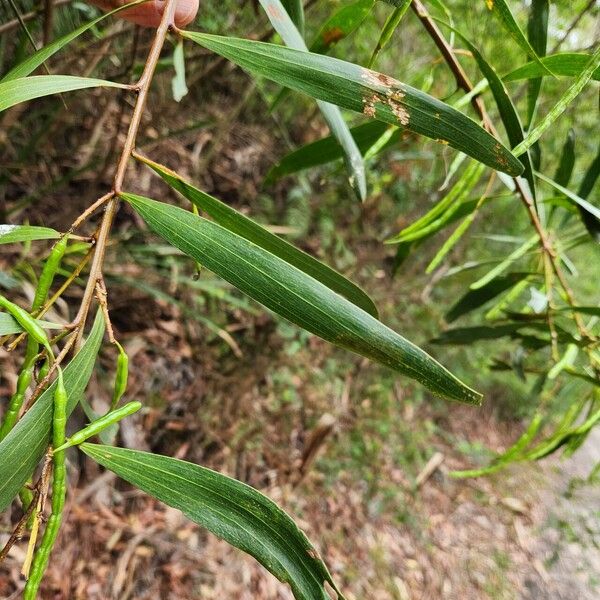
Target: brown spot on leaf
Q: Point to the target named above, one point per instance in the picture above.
(369, 105)
(333, 35)
(373, 78)
(399, 111)
(313, 554)
(397, 95)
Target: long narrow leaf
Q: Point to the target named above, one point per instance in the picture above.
(567, 160)
(474, 299)
(503, 265)
(508, 112)
(295, 9)
(228, 508)
(22, 449)
(295, 295)
(390, 25)
(567, 64)
(338, 26)
(501, 9)
(11, 234)
(247, 228)
(537, 33)
(514, 453)
(456, 235)
(581, 81)
(35, 60)
(27, 88)
(580, 202)
(8, 325)
(327, 149)
(357, 88)
(440, 214)
(292, 37)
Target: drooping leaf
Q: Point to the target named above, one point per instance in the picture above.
(11, 234)
(519, 252)
(563, 437)
(582, 204)
(390, 25)
(9, 326)
(567, 64)
(591, 176)
(295, 295)
(456, 235)
(440, 215)
(22, 449)
(328, 149)
(357, 88)
(580, 82)
(468, 335)
(230, 509)
(338, 26)
(537, 33)
(292, 37)
(567, 160)
(591, 221)
(508, 112)
(501, 10)
(236, 222)
(474, 299)
(514, 453)
(520, 330)
(341, 24)
(295, 9)
(35, 60)
(27, 88)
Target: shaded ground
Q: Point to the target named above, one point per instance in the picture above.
(513, 535)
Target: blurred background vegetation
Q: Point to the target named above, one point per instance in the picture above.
(232, 387)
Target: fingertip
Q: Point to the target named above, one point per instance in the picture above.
(185, 12)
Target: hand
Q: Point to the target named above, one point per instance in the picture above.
(150, 13)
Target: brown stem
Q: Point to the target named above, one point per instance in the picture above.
(101, 296)
(548, 273)
(48, 21)
(462, 79)
(142, 88)
(90, 210)
(19, 529)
